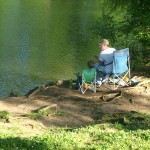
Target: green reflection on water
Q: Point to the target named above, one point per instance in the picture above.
(42, 40)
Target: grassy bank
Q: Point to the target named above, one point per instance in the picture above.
(120, 132)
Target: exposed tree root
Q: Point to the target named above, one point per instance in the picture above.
(111, 97)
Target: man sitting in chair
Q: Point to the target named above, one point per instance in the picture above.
(105, 59)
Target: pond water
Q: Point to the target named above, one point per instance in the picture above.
(43, 40)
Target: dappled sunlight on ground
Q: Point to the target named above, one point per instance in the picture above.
(73, 109)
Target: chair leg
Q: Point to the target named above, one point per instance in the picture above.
(95, 87)
(82, 90)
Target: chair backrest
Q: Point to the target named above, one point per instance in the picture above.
(120, 61)
(89, 74)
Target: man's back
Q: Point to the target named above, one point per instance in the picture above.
(106, 56)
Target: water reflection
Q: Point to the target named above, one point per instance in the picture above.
(42, 40)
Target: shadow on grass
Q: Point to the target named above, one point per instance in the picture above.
(134, 121)
(20, 143)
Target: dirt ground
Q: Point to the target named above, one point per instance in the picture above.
(73, 109)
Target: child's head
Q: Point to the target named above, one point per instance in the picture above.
(90, 64)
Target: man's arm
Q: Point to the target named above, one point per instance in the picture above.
(101, 59)
(99, 62)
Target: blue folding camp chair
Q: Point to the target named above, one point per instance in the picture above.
(121, 68)
(88, 80)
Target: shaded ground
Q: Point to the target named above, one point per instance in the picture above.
(72, 109)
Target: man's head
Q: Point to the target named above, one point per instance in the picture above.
(103, 44)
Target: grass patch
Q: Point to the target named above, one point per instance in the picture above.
(132, 121)
(112, 132)
(91, 137)
(40, 113)
(4, 115)
(34, 115)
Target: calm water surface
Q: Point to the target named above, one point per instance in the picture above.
(43, 40)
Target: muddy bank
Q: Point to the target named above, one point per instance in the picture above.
(69, 108)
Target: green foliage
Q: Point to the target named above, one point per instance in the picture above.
(34, 115)
(137, 22)
(4, 115)
(117, 131)
(40, 113)
(44, 112)
(127, 24)
(105, 27)
(133, 121)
